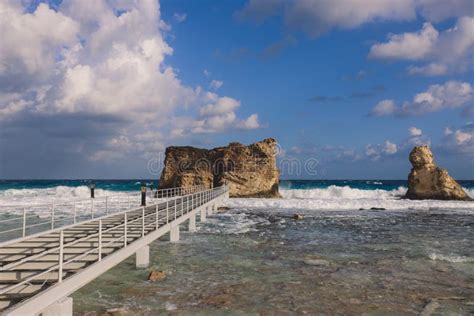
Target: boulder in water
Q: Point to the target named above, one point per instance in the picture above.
(428, 181)
(156, 276)
(298, 217)
(249, 171)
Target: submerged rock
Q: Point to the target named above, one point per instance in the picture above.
(250, 171)
(430, 308)
(156, 276)
(170, 307)
(119, 311)
(428, 181)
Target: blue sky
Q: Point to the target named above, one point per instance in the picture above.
(355, 88)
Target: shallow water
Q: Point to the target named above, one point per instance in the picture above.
(331, 262)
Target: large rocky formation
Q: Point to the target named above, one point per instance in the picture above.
(427, 181)
(250, 171)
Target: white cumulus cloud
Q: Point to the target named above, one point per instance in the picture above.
(415, 131)
(411, 46)
(451, 94)
(384, 107)
(459, 140)
(216, 84)
(390, 148)
(451, 49)
(105, 59)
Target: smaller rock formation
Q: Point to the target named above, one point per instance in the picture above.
(427, 181)
(298, 217)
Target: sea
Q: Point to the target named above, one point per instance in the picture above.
(327, 247)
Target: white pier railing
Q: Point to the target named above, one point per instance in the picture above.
(38, 272)
(22, 220)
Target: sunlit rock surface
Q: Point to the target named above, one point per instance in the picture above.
(428, 181)
(250, 171)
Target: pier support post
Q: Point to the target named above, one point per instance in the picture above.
(143, 192)
(214, 207)
(209, 210)
(60, 308)
(174, 233)
(203, 214)
(192, 223)
(142, 257)
(92, 188)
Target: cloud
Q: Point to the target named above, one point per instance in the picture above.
(439, 10)
(449, 50)
(84, 59)
(384, 107)
(216, 84)
(459, 140)
(355, 95)
(276, 48)
(390, 148)
(416, 138)
(215, 117)
(250, 123)
(438, 97)
(221, 106)
(361, 94)
(180, 17)
(411, 46)
(463, 137)
(323, 98)
(31, 43)
(414, 132)
(317, 17)
(432, 69)
(256, 11)
(372, 152)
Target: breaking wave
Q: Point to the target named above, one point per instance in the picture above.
(346, 198)
(332, 197)
(345, 192)
(49, 195)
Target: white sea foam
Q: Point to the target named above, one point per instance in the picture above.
(347, 198)
(337, 192)
(330, 198)
(450, 258)
(56, 194)
(232, 223)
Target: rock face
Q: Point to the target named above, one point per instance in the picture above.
(156, 276)
(427, 181)
(250, 171)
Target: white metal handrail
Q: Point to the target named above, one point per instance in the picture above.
(195, 199)
(75, 211)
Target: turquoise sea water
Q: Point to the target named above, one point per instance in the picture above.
(134, 184)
